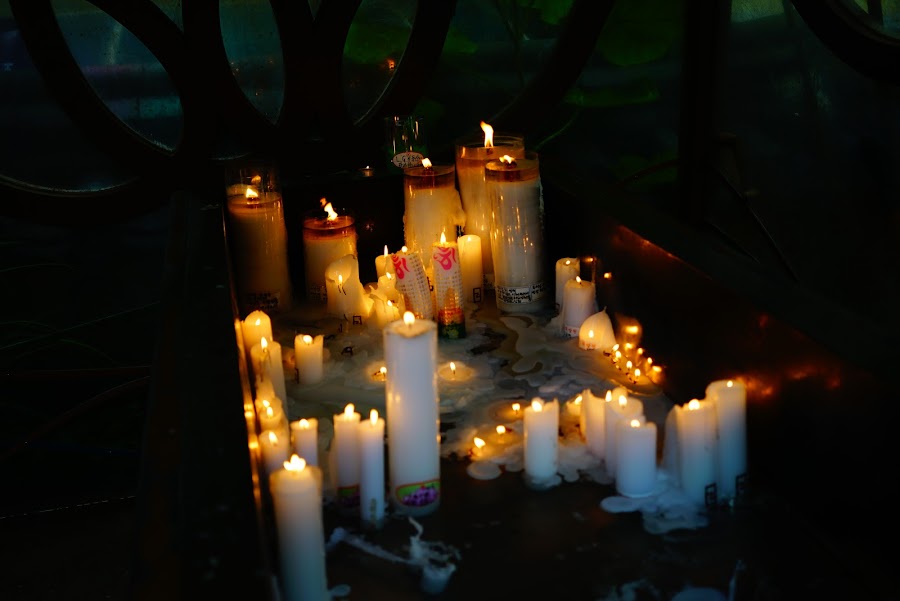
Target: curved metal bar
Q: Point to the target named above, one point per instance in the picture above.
(870, 52)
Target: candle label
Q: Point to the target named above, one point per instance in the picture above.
(572, 332)
(263, 300)
(317, 293)
(521, 294)
(407, 159)
(348, 496)
(420, 494)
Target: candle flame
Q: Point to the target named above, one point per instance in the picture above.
(607, 275)
(404, 249)
(251, 193)
(634, 423)
(304, 423)
(729, 384)
(578, 400)
(501, 429)
(516, 407)
(307, 339)
(383, 370)
(340, 279)
(479, 443)
(349, 410)
(693, 405)
(265, 403)
(507, 160)
(296, 464)
(426, 163)
(270, 412)
(657, 369)
(640, 350)
(488, 135)
(390, 304)
(332, 215)
(409, 318)
(608, 396)
(649, 360)
(568, 262)
(578, 279)
(537, 406)
(389, 277)
(443, 238)
(629, 364)
(628, 346)
(590, 333)
(258, 321)
(263, 343)
(623, 400)
(453, 367)
(373, 416)
(615, 346)
(273, 438)
(637, 373)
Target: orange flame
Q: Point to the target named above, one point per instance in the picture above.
(488, 135)
(332, 215)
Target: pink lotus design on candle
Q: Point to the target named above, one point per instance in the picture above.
(445, 257)
(400, 266)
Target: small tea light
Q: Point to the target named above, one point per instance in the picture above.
(516, 407)
(367, 171)
(478, 449)
(456, 372)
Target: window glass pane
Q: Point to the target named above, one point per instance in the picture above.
(253, 47)
(173, 9)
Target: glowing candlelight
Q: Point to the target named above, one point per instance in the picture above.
(325, 240)
(371, 482)
(478, 450)
(309, 358)
(305, 439)
(347, 456)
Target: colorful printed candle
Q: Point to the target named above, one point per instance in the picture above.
(566, 269)
(412, 282)
(729, 398)
(448, 289)
(371, 481)
(432, 206)
(297, 504)
(635, 458)
(265, 357)
(697, 450)
(346, 441)
(413, 420)
(471, 267)
(309, 358)
(326, 238)
(541, 440)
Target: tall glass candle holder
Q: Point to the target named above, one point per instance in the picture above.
(517, 234)
(472, 153)
(328, 235)
(431, 207)
(257, 239)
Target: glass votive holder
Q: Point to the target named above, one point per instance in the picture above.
(405, 141)
(328, 235)
(517, 233)
(257, 239)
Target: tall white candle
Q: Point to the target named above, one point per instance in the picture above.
(597, 332)
(448, 289)
(309, 358)
(517, 233)
(271, 415)
(273, 450)
(729, 398)
(431, 206)
(371, 481)
(413, 283)
(346, 441)
(697, 450)
(387, 304)
(566, 269)
(256, 325)
(594, 410)
(413, 420)
(345, 296)
(636, 458)
(541, 439)
(327, 236)
(471, 267)
(305, 439)
(472, 152)
(620, 407)
(265, 357)
(297, 504)
(258, 242)
(579, 303)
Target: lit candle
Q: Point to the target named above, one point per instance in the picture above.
(471, 267)
(431, 206)
(629, 335)
(730, 401)
(384, 309)
(297, 505)
(274, 450)
(636, 458)
(472, 152)
(371, 481)
(326, 238)
(258, 242)
(541, 440)
(271, 416)
(456, 372)
(567, 269)
(697, 450)
(594, 428)
(345, 294)
(517, 234)
(413, 420)
(383, 263)
(267, 367)
(597, 332)
(619, 407)
(256, 325)
(448, 289)
(412, 281)
(308, 357)
(305, 439)
(346, 441)
(579, 303)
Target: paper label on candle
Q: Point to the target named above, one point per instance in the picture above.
(407, 159)
(348, 496)
(521, 294)
(317, 293)
(420, 494)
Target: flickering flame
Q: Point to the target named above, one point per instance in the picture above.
(634, 423)
(273, 438)
(637, 373)
(409, 318)
(578, 400)
(578, 279)
(296, 464)
(590, 333)
(270, 412)
(263, 343)
(628, 346)
(607, 275)
(478, 442)
(389, 277)
(258, 321)
(729, 384)
(507, 160)
(426, 163)
(443, 238)
(488, 135)
(537, 406)
(332, 215)
(640, 351)
(404, 249)
(623, 400)
(307, 339)
(383, 370)
(693, 405)
(516, 407)
(304, 424)
(349, 410)
(340, 279)
(385, 250)
(608, 396)
(501, 429)
(373, 416)
(568, 262)
(265, 403)
(615, 346)
(251, 193)
(629, 364)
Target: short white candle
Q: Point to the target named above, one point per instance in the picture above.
(309, 358)
(327, 236)
(383, 263)
(594, 409)
(697, 450)
(297, 504)
(455, 372)
(413, 420)
(541, 439)
(729, 398)
(620, 407)
(371, 481)
(471, 267)
(305, 439)
(636, 458)
(256, 325)
(274, 450)
(596, 332)
(271, 416)
(579, 303)
(265, 357)
(567, 269)
(345, 295)
(412, 281)
(346, 441)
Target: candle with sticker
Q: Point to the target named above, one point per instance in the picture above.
(412, 417)
(346, 441)
(371, 481)
(412, 282)
(448, 289)
(327, 236)
(597, 333)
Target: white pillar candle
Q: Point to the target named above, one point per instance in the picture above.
(305, 439)
(265, 357)
(371, 480)
(594, 410)
(517, 234)
(413, 283)
(256, 325)
(431, 206)
(387, 306)
(541, 439)
(597, 332)
(383, 264)
(327, 237)
(697, 450)
(346, 441)
(271, 415)
(567, 269)
(273, 449)
(257, 239)
(471, 267)
(636, 458)
(448, 289)
(619, 407)
(309, 358)
(297, 504)
(345, 295)
(472, 153)
(413, 420)
(729, 398)
(579, 303)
